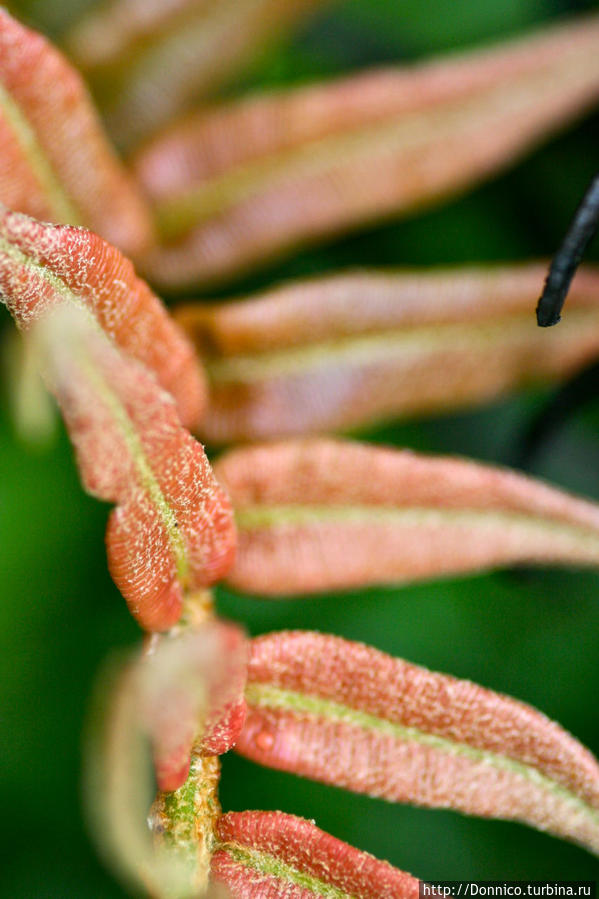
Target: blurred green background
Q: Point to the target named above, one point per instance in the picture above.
(532, 634)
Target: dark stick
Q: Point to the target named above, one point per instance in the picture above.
(567, 259)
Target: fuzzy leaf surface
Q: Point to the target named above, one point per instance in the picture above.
(348, 715)
(172, 530)
(57, 164)
(238, 185)
(43, 266)
(340, 352)
(318, 514)
(263, 855)
(150, 61)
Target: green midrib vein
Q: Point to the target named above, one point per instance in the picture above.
(146, 476)
(312, 157)
(267, 517)
(63, 210)
(268, 865)
(405, 344)
(269, 697)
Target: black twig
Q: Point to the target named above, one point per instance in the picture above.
(567, 259)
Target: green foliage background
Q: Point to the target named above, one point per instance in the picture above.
(534, 635)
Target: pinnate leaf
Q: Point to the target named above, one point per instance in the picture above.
(42, 266)
(238, 185)
(348, 715)
(56, 162)
(320, 514)
(152, 60)
(263, 855)
(339, 352)
(172, 530)
(147, 701)
(193, 697)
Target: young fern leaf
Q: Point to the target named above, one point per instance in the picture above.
(316, 515)
(189, 708)
(348, 715)
(172, 530)
(147, 702)
(42, 266)
(265, 855)
(149, 61)
(238, 185)
(339, 352)
(56, 162)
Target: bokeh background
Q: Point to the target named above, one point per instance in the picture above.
(532, 634)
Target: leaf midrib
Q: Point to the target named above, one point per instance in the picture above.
(273, 516)
(364, 349)
(269, 865)
(146, 476)
(267, 696)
